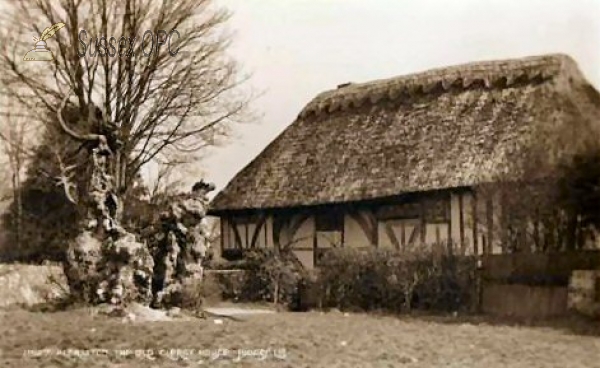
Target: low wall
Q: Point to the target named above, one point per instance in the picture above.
(532, 285)
(30, 284)
(524, 301)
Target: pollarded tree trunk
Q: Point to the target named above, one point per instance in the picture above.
(106, 264)
(182, 245)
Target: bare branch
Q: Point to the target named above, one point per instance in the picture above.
(159, 104)
(68, 130)
(65, 178)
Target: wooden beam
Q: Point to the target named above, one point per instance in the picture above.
(390, 233)
(295, 225)
(343, 228)
(314, 248)
(221, 219)
(415, 233)
(490, 222)
(236, 233)
(502, 223)
(403, 235)
(280, 222)
(259, 227)
(368, 225)
(423, 221)
(267, 232)
(247, 240)
(461, 223)
(449, 214)
(374, 227)
(475, 220)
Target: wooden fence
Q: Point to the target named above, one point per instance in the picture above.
(531, 285)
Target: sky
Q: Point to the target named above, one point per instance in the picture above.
(295, 49)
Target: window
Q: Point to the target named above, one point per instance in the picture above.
(329, 222)
(329, 229)
(329, 233)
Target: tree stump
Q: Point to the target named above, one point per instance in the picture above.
(107, 264)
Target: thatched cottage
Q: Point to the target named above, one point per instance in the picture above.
(396, 162)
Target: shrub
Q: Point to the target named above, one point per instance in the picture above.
(451, 287)
(369, 279)
(355, 279)
(272, 276)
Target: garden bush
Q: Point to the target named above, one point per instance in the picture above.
(271, 275)
(376, 279)
(355, 279)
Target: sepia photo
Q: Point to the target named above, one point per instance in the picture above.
(299, 183)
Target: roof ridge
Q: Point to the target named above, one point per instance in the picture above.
(488, 73)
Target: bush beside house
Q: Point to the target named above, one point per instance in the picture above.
(354, 279)
(377, 279)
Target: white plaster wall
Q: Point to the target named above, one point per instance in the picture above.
(455, 218)
(410, 226)
(269, 232)
(354, 236)
(435, 233)
(329, 239)
(384, 239)
(241, 228)
(306, 257)
(467, 199)
(304, 236)
(230, 234)
(251, 228)
(225, 233)
(497, 212)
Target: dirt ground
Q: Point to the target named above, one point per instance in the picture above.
(77, 338)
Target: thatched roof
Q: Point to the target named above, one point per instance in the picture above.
(450, 127)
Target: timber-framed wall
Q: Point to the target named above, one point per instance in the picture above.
(455, 220)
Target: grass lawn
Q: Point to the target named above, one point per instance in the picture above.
(311, 339)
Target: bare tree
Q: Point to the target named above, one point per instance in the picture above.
(153, 77)
(164, 182)
(131, 82)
